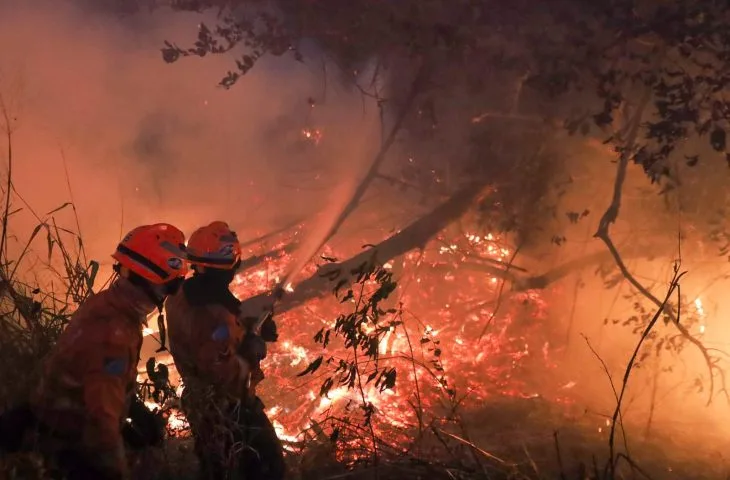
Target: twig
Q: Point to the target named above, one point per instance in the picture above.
(576, 288)
(533, 465)
(613, 387)
(674, 285)
(675, 320)
(499, 295)
(654, 390)
(609, 217)
(379, 158)
(518, 92)
(506, 116)
(415, 379)
(284, 228)
(396, 181)
(473, 448)
(611, 213)
(633, 464)
(9, 181)
(559, 455)
(477, 449)
(73, 204)
(365, 403)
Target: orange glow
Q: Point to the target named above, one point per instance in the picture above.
(313, 135)
(463, 362)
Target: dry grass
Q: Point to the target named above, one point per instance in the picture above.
(516, 439)
(41, 283)
(32, 316)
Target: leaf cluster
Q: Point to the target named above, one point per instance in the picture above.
(361, 331)
(589, 60)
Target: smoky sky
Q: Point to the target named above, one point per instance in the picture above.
(145, 141)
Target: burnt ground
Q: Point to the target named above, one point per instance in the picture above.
(517, 439)
(511, 438)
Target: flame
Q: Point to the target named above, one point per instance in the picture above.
(176, 421)
(435, 350)
(296, 401)
(313, 135)
(701, 314)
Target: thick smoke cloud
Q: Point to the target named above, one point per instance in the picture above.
(144, 141)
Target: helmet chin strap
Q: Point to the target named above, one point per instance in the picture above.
(162, 329)
(158, 301)
(157, 296)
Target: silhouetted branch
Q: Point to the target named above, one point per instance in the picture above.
(372, 172)
(674, 285)
(610, 216)
(416, 235)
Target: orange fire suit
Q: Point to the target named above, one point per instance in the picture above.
(87, 382)
(224, 414)
(203, 341)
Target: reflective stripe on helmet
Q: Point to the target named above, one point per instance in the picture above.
(226, 255)
(143, 261)
(177, 250)
(212, 259)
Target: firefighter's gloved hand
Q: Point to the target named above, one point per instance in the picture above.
(268, 330)
(278, 292)
(145, 429)
(253, 348)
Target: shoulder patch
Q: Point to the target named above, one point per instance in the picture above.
(115, 366)
(221, 333)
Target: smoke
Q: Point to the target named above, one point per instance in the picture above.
(349, 179)
(103, 121)
(598, 318)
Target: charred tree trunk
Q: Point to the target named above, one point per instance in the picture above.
(414, 236)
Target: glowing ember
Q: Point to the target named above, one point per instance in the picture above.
(431, 307)
(177, 424)
(701, 314)
(436, 350)
(312, 134)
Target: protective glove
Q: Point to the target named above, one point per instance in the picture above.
(146, 427)
(252, 349)
(268, 330)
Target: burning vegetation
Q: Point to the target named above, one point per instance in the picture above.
(523, 278)
(383, 363)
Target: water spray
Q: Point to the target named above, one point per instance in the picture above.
(342, 201)
(324, 228)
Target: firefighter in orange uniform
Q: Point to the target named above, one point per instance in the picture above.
(90, 375)
(218, 359)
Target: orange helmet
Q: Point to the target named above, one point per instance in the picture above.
(154, 252)
(214, 245)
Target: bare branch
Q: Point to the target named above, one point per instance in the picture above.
(674, 285)
(611, 214)
(352, 204)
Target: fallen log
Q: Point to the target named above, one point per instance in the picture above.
(415, 235)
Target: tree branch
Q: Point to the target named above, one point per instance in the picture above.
(262, 238)
(251, 262)
(674, 285)
(372, 172)
(609, 217)
(413, 236)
